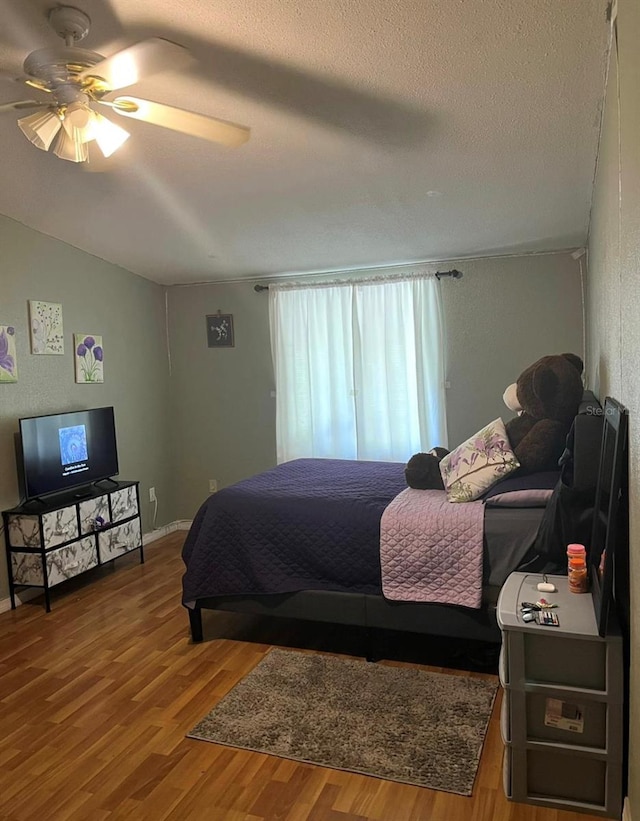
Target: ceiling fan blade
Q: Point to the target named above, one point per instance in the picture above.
(177, 119)
(126, 67)
(20, 105)
(40, 85)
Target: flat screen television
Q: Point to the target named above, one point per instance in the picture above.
(63, 451)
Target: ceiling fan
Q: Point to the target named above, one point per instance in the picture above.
(78, 80)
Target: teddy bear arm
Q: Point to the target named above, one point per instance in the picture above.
(519, 427)
(542, 446)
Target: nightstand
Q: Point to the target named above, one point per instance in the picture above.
(562, 711)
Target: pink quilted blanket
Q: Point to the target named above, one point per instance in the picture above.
(431, 549)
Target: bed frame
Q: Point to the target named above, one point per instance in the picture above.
(362, 610)
(376, 612)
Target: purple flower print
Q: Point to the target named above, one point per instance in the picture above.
(452, 463)
(495, 443)
(6, 360)
(89, 357)
(488, 452)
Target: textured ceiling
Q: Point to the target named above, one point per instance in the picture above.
(382, 132)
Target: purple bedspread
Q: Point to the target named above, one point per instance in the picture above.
(431, 549)
(310, 524)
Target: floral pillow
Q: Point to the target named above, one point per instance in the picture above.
(475, 465)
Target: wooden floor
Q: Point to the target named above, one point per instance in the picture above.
(97, 696)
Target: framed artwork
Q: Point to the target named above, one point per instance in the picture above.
(8, 363)
(45, 320)
(220, 331)
(89, 358)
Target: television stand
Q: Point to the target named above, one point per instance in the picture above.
(66, 536)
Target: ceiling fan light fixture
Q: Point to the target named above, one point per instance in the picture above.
(40, 128)
(77, 79)
(77, 115)
(108, 135)
(80, 135)
(70, 148)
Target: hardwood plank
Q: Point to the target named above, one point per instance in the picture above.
(96, 699)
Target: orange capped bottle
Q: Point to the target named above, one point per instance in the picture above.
(578, 578)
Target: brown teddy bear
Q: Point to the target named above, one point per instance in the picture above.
(546, 397)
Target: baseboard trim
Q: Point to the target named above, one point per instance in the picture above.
(147, 539)
(21, 598)
(159, 532)
(626, 810)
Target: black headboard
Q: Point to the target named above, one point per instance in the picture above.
(569, 513)
(582, 474)
(590, 506)
(608, 548)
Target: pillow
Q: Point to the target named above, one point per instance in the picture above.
(477, 464)
(536, 497)
(530, 490)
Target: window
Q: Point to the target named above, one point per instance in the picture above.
(359, 368)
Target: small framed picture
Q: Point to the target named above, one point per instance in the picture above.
(8, 363)
(89, 355)
(47, 336)
(220, 331)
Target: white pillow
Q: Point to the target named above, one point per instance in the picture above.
(477, 464)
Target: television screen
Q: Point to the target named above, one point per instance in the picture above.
(62, 451)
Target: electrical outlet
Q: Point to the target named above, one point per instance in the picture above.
(152, 494)
(213, 485)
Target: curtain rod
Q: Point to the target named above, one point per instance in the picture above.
(454, 274)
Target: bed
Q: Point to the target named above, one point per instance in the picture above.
(302, 541)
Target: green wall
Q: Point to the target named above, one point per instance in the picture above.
(96, 297)
(503, 315)
(221, 404)
(613, 317)
(187, 413)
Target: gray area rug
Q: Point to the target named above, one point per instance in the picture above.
(397, 723)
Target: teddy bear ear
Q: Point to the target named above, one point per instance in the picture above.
(575, 360)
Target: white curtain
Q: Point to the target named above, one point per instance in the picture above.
(359, 368)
